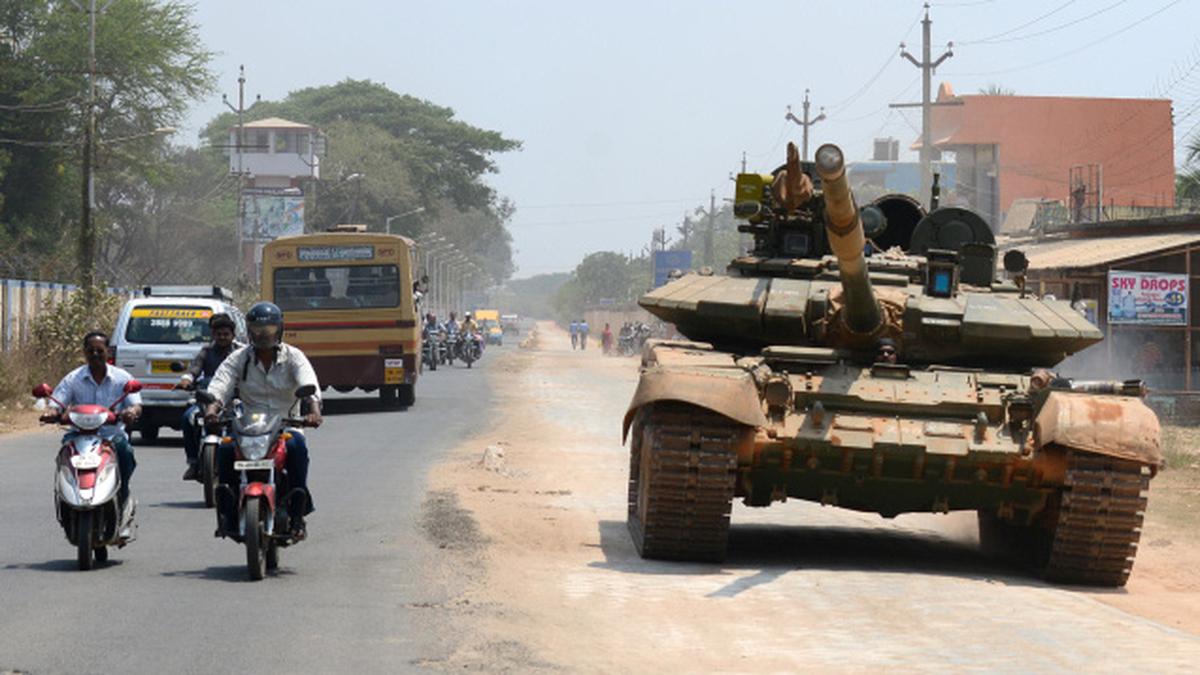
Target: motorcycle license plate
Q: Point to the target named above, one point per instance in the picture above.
(253, 465)
(393, 371)
(85, 461)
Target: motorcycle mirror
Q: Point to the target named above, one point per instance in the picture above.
(42, 390)
(132, 387)
(306, 391)
(205, 397)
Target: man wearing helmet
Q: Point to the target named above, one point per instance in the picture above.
(204, 366)
(265, 374)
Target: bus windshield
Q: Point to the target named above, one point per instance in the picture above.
(337, 287)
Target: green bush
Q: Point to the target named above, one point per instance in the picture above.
(59, 328)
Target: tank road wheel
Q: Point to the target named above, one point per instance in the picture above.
(1088, 533)
(681, 479)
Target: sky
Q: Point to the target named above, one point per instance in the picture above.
(631, 113)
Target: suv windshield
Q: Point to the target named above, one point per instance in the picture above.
(168, 325)
(337, 287)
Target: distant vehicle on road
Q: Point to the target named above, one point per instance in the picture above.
(348, 304)
(489, 326)
(156, 338)
(510, 324)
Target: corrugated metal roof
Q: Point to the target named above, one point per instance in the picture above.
(1083, 253)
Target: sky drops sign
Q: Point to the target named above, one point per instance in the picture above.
(1147, 298)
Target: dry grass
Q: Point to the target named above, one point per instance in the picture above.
(1181, 447)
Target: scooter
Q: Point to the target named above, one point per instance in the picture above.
(260, 454)
(207, 458)
(88, 482)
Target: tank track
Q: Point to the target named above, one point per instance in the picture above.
(681, 482)
(1099, 521)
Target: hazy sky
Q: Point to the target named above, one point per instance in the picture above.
(630, 112)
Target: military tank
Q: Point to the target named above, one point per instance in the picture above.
(872, 358)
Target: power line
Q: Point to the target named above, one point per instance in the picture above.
(1076, 50)
(840, 105)
(605, 204)
(993, 39)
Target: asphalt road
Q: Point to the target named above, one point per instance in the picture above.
(177, 600)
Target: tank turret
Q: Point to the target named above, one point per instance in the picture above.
(844, 228)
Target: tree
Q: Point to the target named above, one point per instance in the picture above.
(407, 153)
(994, 89)
(150, 65)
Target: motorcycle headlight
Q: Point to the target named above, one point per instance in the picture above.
(254, 447)
(88, 421)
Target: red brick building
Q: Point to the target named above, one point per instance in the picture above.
(1017, 147)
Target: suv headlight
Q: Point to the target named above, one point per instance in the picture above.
(254, 447)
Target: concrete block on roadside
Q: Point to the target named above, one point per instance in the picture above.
(493, 458)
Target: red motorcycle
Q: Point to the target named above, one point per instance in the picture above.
(260, 455)
(88, 481)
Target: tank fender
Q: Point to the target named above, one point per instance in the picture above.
(726, 391)
(1118, 426)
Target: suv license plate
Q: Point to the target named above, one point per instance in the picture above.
(161, 367)
(248, 465)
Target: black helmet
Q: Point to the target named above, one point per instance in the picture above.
(264, 322)
(221, 320)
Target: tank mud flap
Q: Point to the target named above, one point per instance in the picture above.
(728, 392)
(1116, 426)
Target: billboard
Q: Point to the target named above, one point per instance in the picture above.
(270, 214)
(1147, 298)
(665, 261)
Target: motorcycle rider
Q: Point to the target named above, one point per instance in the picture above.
(204, 366)
(97, 382)
(265, 374)
(470, 331)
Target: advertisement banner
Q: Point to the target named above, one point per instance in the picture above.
(270, 215)
(1147, 298)
(665, 261)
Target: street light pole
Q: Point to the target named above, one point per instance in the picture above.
(387, 222)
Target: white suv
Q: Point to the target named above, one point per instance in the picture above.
(156, 338)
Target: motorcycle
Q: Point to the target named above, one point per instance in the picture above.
(450, 346)
(468, 349)
(260, 454)
(429, 349)
(207, 457)
(88, 482)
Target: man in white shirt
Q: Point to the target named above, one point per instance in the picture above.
(96, 382)
(266, 375)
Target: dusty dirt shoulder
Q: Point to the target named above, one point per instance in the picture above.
(556, 583)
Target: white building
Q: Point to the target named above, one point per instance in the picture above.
(277, 153)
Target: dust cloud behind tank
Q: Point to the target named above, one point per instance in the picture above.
(778, 393)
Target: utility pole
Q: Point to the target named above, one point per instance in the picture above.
(805, 123)
(712, 221)
(927, 66)
(87, 226)
(238, 145)
(744, 161)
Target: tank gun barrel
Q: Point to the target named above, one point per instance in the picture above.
(845, 230)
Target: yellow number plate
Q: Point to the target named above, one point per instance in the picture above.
(161, 367)
(393, 371)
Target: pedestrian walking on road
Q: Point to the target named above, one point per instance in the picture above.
(574, 335)
(606, 340)
(583, 333)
